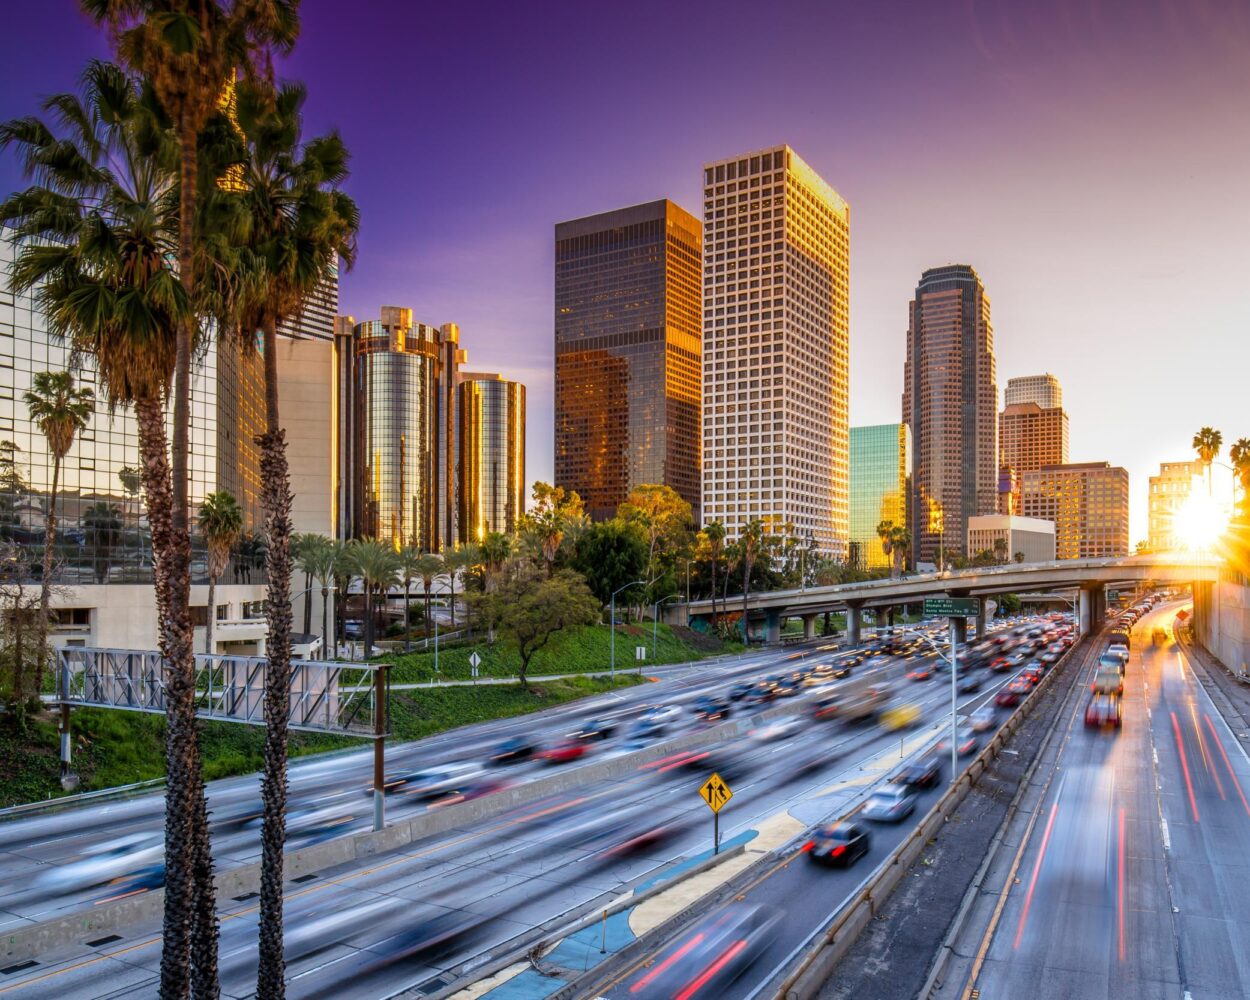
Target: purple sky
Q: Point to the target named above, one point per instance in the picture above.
(1089, 159)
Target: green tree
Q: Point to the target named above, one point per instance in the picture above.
(552, 516)
(456, 561)
(317, 560)
(1001, 549)
(428, 566)
(376, 565)
(494, 552)
(1207, 444)
(530, 607)
(221, 523)
(715, 533)
(750, 542)
(609, 555)
(1239, 455)
(409, 569)
(305, 549)
(60, 411)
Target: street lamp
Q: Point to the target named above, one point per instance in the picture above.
(688, 562)
(954, 692)
(612, 616)
(655, 621)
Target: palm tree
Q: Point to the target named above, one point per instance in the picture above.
(307, 547)
(376, 564)
(318, 562)
(428, 567)
(99, 233)
(1207, 444)
(749, 545)
(455, 561)
(221, 523)
(292, 226)
(900, 545)
(495, 550)
(102, 523)
(715, 532)
(60, 410)
(1001, 548)
(341, 574)
(409, 570)
(470, 556)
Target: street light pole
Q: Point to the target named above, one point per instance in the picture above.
(655, 621)
(954, 686)
(612, 623)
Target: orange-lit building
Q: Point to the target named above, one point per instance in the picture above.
(1168, 492)
(491, 435)
(1088, 503)
(1029, 437)
(628, 301)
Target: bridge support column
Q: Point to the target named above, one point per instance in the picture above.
(69, 780)
(809, 626)
(883, 618)
(1093, 608)
(981, 622)
(774, 628)
(960, 627)
(853, 609)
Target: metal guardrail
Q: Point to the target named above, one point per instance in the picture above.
(329, 697)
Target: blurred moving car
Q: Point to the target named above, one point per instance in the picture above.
(562, 752)
(968, 684)
(983, 719)
(1107, 681)
(710, 709)
(900, 716)
(839, 844)
(433, 782)
(740, 691)
(920, 774)
(890, 803)
(595, 729)
(1103, 710)
(103, 862)
(921, 673)
(663, 714)
(966, 742)
(514, 751)
(779, 730)
(710, 955)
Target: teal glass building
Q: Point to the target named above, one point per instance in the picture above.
(880, 480)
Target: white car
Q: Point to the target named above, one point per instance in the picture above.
(105, 861)
(779, 730)
(983, 719)
(435, 781)
(663, 714)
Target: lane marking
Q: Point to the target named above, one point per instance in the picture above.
(1206, 757)
(1037, 868)
(1167, 840)
(1180, 746)
(1227, 763)
(1120, 888)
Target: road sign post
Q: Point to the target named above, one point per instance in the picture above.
(716, 794)
(474, 661)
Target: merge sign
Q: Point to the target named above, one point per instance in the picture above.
(715, 793)
(951, 607)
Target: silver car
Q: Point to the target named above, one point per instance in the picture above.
(890, 804)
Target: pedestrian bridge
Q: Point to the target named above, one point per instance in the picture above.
(1090, 576)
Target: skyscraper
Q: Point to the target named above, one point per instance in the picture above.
(880, 480)
(491, 437)
(1030, 436)
(1044, 390)
(388, 433)
(1088, 503)
(776, 342)
(627, 345)
(1168, 492)
(950, 399)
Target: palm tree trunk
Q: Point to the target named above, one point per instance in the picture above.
(451, 583)
(183, 780)
(212, 614)
(368, 589)
(746, 584)
(276, 503)
(427, 613)
(307, 603)
(713, 592)
(325, 620)
(45, 583)
(407, 617)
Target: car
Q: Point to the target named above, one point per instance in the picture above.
(921, 673)
(433, 782)
(1007, 698)
(740, 691)
(595, 729)
(513, 751)
(1033, 676)
(1103, 710)
(645, 729)
(839, 844)
(920, 774)
(788, 688)
(103, 862)
(663, 714)
(711, 709)
(779, 730)
(763, 692)
(900, 716)
(966, 742)
(983, 719)
(827, 707)
(1107, 681)
(968, 684)
(562, 752)
(890, 803)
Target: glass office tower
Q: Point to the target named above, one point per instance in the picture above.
(880, 479)
(492, 455)
(627, 342)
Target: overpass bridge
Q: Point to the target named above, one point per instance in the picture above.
(1090, 577)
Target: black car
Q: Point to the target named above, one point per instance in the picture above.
(968, 684)
(740, 691)
(595, 729)
(513, 751)
(711, 709)
(921, 774)
(840, 844)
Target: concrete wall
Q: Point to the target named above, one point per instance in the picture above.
(1222, 622)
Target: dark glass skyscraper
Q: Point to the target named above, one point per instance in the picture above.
(628, 303)
(950, 399)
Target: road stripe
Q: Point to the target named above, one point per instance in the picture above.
(1180, 746)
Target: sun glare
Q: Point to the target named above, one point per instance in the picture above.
(1200, 522)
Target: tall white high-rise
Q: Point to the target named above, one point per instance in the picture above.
(776, 348)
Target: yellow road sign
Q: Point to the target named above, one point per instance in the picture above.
(715, 793)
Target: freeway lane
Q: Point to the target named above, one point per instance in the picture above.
(358, 928)
(1133, 880)
(327, 786)
(806, 896)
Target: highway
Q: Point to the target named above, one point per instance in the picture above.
(1132, 879)
(427, 913)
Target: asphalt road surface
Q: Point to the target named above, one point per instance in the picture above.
(1134, 881)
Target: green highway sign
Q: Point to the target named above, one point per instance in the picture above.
(952, 607)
